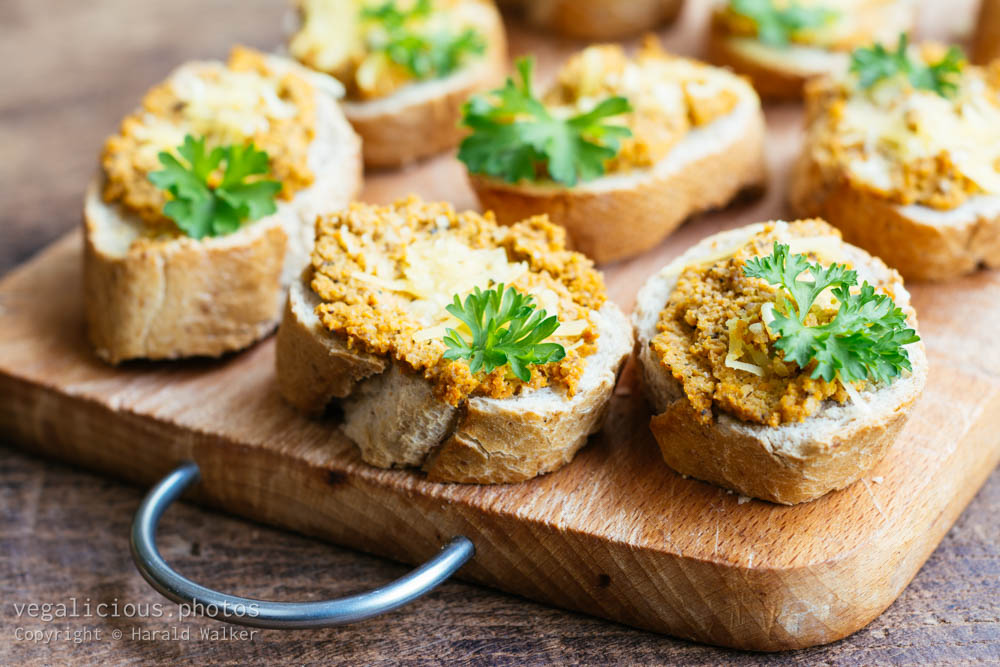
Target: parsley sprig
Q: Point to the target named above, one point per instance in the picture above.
(863, 341)
(201, 209)
(392, 17)
(777, 25)
(506, 329)
(515, 138)
(425, 54)
(876, 63)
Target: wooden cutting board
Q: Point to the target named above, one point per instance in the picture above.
(615, 533)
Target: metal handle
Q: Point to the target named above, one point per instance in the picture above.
(263, 613)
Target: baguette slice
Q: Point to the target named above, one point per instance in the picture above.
(621, 215)
(185, 297)
(599, 19)
(781, 73)
(921, 242)
(421, 119)
(396, 421)
(791, 463)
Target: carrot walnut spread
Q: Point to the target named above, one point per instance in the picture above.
(916, 125)
(768, 337)
(669, 96)
(393, 281)
(606, 113)
(246, 101)
(376, 47)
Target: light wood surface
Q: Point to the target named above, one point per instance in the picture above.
(45, 360)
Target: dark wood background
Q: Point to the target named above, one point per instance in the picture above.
(70, 71)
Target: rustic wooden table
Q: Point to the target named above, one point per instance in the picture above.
(70, 71)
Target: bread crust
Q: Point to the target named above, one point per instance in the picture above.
(392, 416)
(601, 19)
(182, 298)
(312, 368)
(739, 460)
(608, 225)
(396, 131)
(919, 250)
(790, 463)
(499, 441)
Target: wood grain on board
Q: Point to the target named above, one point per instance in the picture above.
(615, 534)
(65, 534)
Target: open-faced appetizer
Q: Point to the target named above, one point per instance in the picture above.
(903, 155)
(597, 19)
(781, 44)
(986, 44)
(478, 352)
(407, 67)
(619, 151)
(203, 210)
(781, 362)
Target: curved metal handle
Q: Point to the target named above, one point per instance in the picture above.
(263, 613)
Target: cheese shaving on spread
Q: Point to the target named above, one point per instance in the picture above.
(246, 99)
(820, 247)
(669, 95)
(386, 274)
(854, 394)
(714, 334)
(229, 106)
(910, 145)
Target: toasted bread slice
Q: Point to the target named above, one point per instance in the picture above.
(397, 420)
(795, 461)
(599, 19)
(181, 297)
(623, 214)
(952, 225)
(781, 73)
(921, 242)
(421, 119)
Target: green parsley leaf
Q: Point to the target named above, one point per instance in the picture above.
(863, 341)
(426, 55)
(876, 63)
(518, 345)
(394, 18)
(515, 138)
(200, 210)
(776, 26)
